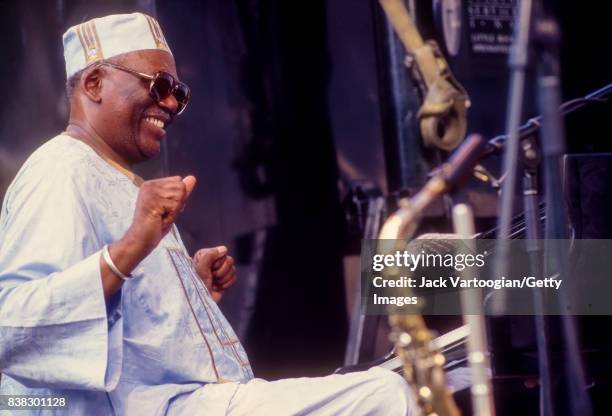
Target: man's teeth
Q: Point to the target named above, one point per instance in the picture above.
(156, 122)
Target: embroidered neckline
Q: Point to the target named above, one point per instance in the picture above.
(136, 180)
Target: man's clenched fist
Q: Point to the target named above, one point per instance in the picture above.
(216, 269)
(159, 203)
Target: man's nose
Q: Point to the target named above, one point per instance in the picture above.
(170, 103)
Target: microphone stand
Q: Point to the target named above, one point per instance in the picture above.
(546, 36)
(531, 202)
(517, 62)
(556, 229)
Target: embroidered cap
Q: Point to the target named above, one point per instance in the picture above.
(108, 36)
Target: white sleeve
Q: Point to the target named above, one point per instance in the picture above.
(56, 330)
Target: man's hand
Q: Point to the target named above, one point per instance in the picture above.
(159, 203)
(216, 268)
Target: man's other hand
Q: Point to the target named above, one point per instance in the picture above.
(216, 269)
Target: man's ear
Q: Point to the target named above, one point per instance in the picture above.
(91, 83)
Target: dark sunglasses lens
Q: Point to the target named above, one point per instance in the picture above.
(162, 86)
(181, 93)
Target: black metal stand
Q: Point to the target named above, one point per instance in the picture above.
(531, 202)
(361, 341)
(518, 66)
(547, 38)
(544, 30)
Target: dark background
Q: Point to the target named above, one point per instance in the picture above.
(284, 118)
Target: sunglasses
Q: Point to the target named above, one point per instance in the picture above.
(161, 86)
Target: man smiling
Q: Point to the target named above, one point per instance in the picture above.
(99, 301)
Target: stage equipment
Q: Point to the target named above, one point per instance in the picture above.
(529, 157)
(533, 23)
(451, 344)
(471, 300)
(442, 121)
(443, 113)
(423, 365)
(530, 130)
(360, 323)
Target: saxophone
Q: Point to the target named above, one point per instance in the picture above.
(423, 365)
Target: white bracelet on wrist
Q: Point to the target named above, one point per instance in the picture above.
(109, 262)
